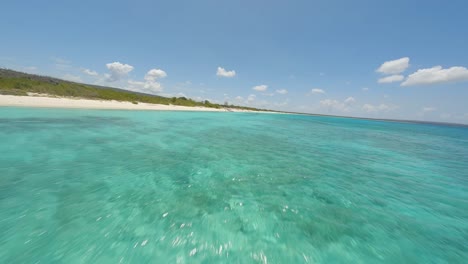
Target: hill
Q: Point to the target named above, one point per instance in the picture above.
(19, 83)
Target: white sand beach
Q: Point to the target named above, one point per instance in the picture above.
(45, 101)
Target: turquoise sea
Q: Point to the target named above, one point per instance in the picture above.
(96, 186)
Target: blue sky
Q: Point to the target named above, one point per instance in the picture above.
(308, 56)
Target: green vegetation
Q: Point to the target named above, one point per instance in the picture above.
(17, 83)
(13, 92)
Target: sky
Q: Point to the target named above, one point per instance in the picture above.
(402, 59)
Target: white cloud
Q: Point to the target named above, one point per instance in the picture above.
(365, 89)
(136, 85)
(428, 109)
(344, 106)
(377, 108)
(317, 91)
(334, 105)
(239, 98)
(90, 72)
(150, 84)
(118, 71)
(383, 107)
(392, 78)
(223, 73)
(282, 91)
(154, 74)
(394, 66)
(251, 98)
(368, 107)
(435, 75)
(260, 88)
(153, 87)
(328, 102)
(349, 100)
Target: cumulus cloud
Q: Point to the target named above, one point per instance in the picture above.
(239, 98)
(136, 83)
(154, 74)
(329, 102)
(349, 100)
(260, 88)
(376, 108)
(224, 73)
(331, 105)
(282, 91)
(392, 78)
(436, 75)
(90, 72)
(153, 87)
(150, 84)
(384, 107)
(145, 86)
(394, 66)
(317, 91)
(368, 107)
(117, 71)
(251, 98)
(334, 105)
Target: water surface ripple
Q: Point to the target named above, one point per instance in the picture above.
(87, 186)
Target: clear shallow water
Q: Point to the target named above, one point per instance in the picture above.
(83, 186)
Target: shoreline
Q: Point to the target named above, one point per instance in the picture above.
(48, 101)
(44, 101)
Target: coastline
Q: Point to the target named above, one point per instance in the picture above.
(49, 101)
(44, 101)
